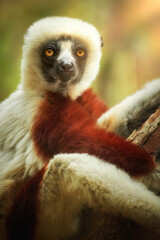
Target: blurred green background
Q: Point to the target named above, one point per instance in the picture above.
(130, 30)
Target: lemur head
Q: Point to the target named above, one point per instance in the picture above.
(60, 54)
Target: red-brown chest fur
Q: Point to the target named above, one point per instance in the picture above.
(56, 117)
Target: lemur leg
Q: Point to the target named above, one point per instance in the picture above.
(133, 111)
(74, 180)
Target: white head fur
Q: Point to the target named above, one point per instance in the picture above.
(47, 29)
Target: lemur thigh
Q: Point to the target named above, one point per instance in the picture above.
(152, 181)
(74, 180)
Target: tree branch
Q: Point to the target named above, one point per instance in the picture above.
(148, 136)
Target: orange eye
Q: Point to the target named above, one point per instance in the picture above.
(49, 52)
(80, 52)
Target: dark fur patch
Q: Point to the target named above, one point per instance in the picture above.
(21, 221)
(50, 65)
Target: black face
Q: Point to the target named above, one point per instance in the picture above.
(63, 61)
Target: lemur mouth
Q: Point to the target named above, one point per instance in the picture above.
(64, 79)
(65, 72)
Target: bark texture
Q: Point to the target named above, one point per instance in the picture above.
(148, 136)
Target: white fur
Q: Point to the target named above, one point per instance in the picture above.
(50, 28)
(18, 160)
(66, 52)
(16, 146)
(119, 114)
(74, 180)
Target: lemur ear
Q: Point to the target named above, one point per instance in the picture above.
(101, 39)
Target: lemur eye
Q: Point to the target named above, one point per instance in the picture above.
(80, 52)
(49, 52)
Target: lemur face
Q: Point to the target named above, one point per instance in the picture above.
(63, 61)
(60, 54)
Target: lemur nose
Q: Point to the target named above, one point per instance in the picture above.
(66, 66)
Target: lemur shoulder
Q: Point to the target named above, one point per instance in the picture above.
(58, 147)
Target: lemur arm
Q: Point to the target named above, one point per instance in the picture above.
(133, 111)
(77, 180)
(92, 103)
(70, 130)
